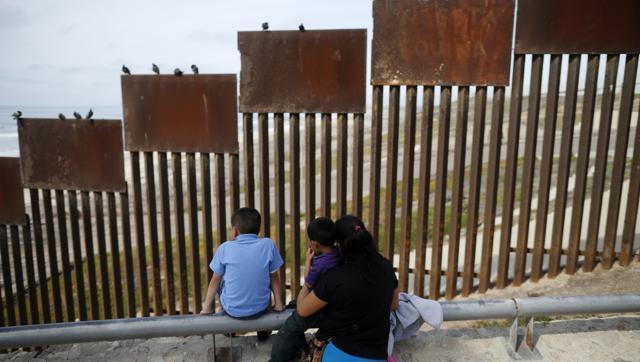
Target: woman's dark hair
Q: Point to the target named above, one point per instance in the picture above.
(357, 245)
(320, 229)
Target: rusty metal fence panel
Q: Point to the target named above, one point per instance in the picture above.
(442, 42)
(318, 73)
(577, 26)
(11, 195)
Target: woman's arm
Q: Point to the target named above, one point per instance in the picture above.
(309, 304)
(394, 301)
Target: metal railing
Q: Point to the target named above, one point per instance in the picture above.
(153, 327)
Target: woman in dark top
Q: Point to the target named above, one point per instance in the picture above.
(357, 296)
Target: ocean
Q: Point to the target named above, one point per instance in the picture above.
(9, 130)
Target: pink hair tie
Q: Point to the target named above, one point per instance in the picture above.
(358, 228)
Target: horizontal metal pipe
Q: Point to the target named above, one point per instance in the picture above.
(119, 329)
(547, 306)
(153, 327)
(478, 309)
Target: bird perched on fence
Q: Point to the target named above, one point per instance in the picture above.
(89, 114)
(265, 26)
(61, 116)
(125, 70)
(77, 115)
(177, 72)
(301, 27)
(155, 68)
(194, 68)
(16, 115)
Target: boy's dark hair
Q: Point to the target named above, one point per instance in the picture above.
(247, 220)
(321, 230)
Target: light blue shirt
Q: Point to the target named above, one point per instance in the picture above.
(245, 265)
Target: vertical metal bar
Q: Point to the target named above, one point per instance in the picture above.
(444, 123)
(263, 148)
(604, 131)
(102, 252)
(533, 117)
(87, 222)
(179, 217)
(510, 176)
(18, 275)
(6, 276)
(221, 213)
(166, 233)
(392, 173)
(475, 178)
(40, 258)
(407, 186)
(234, 160)
(424, 189)
(3, 240)
(115, 254)
(280, 236)
(139, 214)
(586, 128)
(31, 278)
(310, 166)
(193, 229)
(64, 255)
(358, 164)
(207, 215)
(341, 189)
(491, 190)
(619, 160)
(568, 120)
(249, 181)
(546, 165)
(152, 219)
(74, 218)
(376, 152)
(631, 214)
(53, 259)
(457, 191)
(128, 255)
(325, 164)
(294, 199)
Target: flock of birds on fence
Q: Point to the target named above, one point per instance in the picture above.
(17, 115)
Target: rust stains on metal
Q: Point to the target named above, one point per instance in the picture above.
(11, 193)
(442, 42)
(321, 71)
(72, 154)
(578, 26)
(191, 113)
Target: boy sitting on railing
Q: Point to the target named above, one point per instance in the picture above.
(321, 256)
(245, 271)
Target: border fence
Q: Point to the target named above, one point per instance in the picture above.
(456, 202)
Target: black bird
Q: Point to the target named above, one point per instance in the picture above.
(77, 115)
(301, 27)
(177, 72)
(125, 70)
(265, 26)
(89, 114)
(155, 68)
(16, 115)
(194, 68)
(62, 117)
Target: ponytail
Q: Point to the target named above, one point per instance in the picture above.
(357, 246)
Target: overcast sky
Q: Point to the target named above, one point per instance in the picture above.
(69, 52)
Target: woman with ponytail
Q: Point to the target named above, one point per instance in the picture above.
(357, 297)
